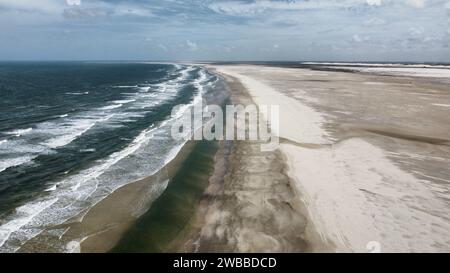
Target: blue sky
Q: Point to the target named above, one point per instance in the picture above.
(308, 30)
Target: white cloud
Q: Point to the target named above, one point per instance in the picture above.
(228, 49)
(374, 22)
(191, 45)
(416, 31)
(183, 27)
(44, 6)
(163, 47)
(98, 9)
(374, 2)
(358, 39)
(238, 8)
(73, 2)
(416, 3)
(241, 8)
(74, 8)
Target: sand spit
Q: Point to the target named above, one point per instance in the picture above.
(250, 205)
(370, 161)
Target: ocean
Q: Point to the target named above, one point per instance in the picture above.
(73, 132)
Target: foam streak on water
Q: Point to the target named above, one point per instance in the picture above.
(147, 152)
(63, 131)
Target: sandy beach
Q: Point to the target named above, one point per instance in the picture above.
(362, 166)
(250, 205)
(366, 155)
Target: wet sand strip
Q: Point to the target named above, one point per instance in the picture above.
(171, 212)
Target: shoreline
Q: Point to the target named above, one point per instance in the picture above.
(365, 162)
(135, 192)
(169, 215)
(250, 205)
(100, 227)
(98, 230)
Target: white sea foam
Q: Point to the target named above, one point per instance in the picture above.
(77, 93)
(6, 163)
(123, 101)
(19, 132)
(24, 214)
(144, 89)
(15, 152)
(73, 247)
(74, 189)
(56, 134)
(110, 107)
(91, 150)
(52, 188)
(150, 151)
(64, 131)
(125, 86)
(65, 134)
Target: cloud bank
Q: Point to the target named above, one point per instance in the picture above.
(359, 30)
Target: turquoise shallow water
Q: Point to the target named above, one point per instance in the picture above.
(170, 214)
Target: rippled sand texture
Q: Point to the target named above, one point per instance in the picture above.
(369, 154)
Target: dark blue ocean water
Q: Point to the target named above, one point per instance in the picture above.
(71, 133)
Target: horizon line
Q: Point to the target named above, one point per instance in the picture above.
(223, 61)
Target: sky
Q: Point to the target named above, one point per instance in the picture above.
(226, 30)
